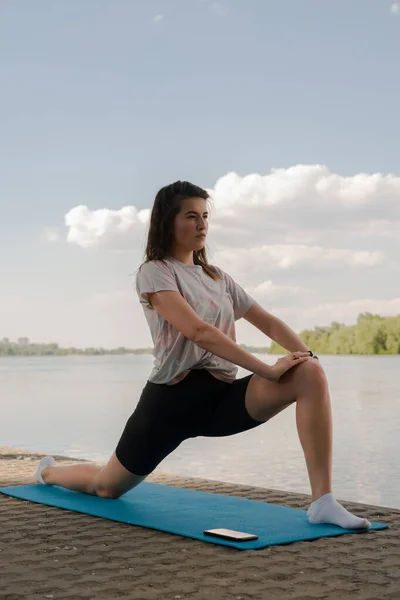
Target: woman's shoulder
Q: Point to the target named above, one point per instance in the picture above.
(155, 265)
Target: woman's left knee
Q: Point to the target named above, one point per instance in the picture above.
(311, 371)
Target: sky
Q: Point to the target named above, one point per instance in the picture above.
(287, 112)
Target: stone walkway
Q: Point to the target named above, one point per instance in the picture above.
(46, 552)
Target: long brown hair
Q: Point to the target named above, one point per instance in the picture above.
(166, 206)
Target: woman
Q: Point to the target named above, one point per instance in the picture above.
(191, 308)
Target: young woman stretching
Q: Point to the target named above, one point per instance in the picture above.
(191, 308)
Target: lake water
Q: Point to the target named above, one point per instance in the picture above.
(77, 406)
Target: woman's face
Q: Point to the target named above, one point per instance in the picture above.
(190, 222)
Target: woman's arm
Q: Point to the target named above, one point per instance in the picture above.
(212, 339)
(174, 309)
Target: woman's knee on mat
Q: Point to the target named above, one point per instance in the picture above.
(114, 480)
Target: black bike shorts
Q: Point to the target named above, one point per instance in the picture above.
(166, 415)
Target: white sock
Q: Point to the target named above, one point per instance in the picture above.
(47, 461)
(327, 510)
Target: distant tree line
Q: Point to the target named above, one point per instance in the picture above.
(24, 347)
(372, 334)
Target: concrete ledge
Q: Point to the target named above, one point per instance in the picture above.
(46, 552)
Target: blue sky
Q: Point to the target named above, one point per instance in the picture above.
(105, 101)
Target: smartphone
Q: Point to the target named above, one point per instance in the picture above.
(230, 534)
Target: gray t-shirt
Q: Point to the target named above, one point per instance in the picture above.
(220, 303)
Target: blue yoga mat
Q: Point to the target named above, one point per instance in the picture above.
(188, 513)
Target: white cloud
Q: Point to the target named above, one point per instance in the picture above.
(100, 227)
(302, 217)
(295, 215)
(304, 185)
(158, 19)
(395, 8)
(282, 257)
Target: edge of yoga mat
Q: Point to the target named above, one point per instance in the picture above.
(189, 512)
